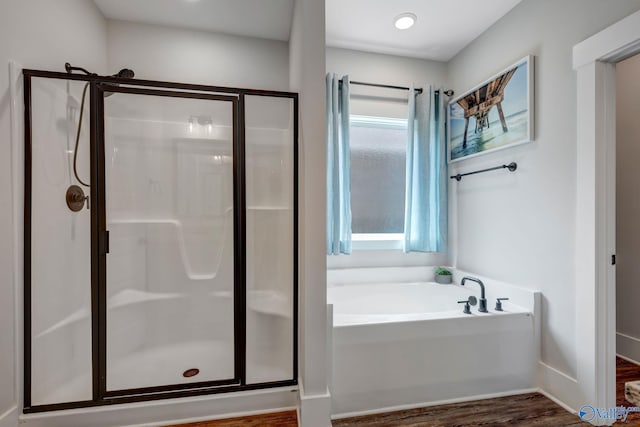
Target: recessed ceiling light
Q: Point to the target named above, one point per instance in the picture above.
(405, 21)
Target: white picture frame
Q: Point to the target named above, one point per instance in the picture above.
(494, 115)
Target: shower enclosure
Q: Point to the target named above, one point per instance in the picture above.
(171, 269)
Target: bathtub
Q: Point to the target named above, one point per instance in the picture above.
(408, 344)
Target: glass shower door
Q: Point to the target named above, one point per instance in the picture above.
(170, 291)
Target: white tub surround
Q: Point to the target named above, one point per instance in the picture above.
(347, 276)
(404, 344)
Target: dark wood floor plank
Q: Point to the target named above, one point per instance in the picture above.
(531, 410)
(278, 419)
(626, 371)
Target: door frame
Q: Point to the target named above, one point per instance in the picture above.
(100, 245)
(98, 240)
(594, 60)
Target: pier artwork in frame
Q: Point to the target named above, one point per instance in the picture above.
(496, 114)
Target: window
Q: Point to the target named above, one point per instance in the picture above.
(378, 163)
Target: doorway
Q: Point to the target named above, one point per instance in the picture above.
(627, 229)
(594, 60)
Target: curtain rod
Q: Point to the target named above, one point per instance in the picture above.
(419, 90)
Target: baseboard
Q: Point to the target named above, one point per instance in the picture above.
(436, 403)
(628, 347)
(219, 417)
(635, 362)
(314, 410)
(557, 401)
(559, 387)
(170, 411)
(9, 418)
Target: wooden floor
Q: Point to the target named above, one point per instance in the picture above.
(626, 371)
(523, 410)
(278, 419)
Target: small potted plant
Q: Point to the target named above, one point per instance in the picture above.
(443, 276)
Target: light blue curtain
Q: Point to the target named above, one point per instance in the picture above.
(425, 218)
(338, 166)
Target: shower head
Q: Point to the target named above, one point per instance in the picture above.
(125, 73)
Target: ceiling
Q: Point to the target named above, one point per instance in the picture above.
(267, 19)
(443, 27)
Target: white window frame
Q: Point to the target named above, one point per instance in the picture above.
(377, 241)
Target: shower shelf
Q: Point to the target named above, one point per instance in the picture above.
(133, 296)
(124, 298)
(269, 302)
(121, 299)
(76, 316)
(269, 208)
(181, 244)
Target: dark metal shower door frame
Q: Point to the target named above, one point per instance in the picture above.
(103, 244)
(99, 239)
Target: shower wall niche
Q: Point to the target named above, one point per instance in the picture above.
(179, 275)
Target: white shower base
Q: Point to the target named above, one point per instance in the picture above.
(150, 347)
(157, 366)
(164, 366)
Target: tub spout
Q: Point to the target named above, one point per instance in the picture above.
(482, 306)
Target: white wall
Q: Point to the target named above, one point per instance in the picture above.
(307, 65)
(37, 34)
(628, 207)
(383, 69)
(170, 54)
(519, 227)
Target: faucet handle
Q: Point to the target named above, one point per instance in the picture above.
(468, 303)
(499, 303)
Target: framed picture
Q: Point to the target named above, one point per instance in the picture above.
(493, 115)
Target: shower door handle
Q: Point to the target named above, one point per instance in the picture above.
(105, 242)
